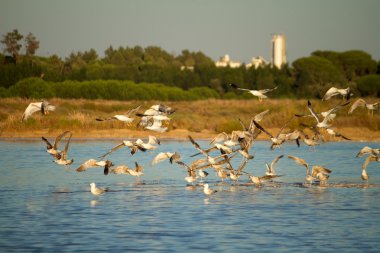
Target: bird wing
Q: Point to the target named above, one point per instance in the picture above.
(118, 146)
(241, 167)
(87, 164)
(312, 110)
(58, 139)
(32, 108)
(48, 144)
(219, 138)
(275, 161)
(138, 168)
(298, 160)
(319, 169)
(197, 146)
(358, 103)
(161, 157)
(364, 150)
(133, 111)
(154, 140)
(261, 128)
(64, 152)
(331, 92)
(263, 91)
(258, 117)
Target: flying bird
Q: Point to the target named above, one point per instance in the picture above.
(345, 93)
(61, 158)
(166, 155)
(44, 107)
(270, 168)
(123, 169)
(122, 117)
(257, 93)
(363, 104)
(53, 149)
(94, 163)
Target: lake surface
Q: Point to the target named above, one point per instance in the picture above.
(47, 208)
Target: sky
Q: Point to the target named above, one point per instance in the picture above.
(240, 28)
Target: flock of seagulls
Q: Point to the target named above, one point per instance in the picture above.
(224, 147)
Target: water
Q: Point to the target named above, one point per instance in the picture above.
(47, 208)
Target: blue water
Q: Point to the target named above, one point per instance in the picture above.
(47, 208)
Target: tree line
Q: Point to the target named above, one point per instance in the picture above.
(189, 75)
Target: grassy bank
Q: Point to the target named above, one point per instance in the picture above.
(203, 119)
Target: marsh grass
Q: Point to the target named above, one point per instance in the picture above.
(211, 115)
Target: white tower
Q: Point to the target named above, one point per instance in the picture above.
(278, 50)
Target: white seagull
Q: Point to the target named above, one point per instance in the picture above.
(257, 93)
(96, 190)
(94, 163)
(127, 118)
(363, 104)
(207, 190)
(345, 93)
(44, 107)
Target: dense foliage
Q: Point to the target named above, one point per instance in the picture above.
(152, 73)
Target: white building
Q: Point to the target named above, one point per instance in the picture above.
(278, 50)
(257, 62)
(226, 61)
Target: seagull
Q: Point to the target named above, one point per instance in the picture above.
(154, 110)
(166, 155)
(96, 190)
(334, 133)
(370, 158)
(94, 163)
(309, 178)
(44, 107)
(125, 143)
(368, 150)
(207, 190)
(122, 169)
(62, 156)
(257, 93)
(211, 160)
(202, 174)
(148, 145)
(270, 168)
(192, 173)
(311, 142)
(345, 93)
(124, 118)
(259, 180)
(323, 123)
(53, 149)
(156, 125)
(279, 138)
(321, 173)
(362, 103)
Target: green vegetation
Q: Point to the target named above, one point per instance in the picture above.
(136, 73)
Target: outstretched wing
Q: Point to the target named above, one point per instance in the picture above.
(331, 92)
(274, 162)
(358, 103)
(263, 91)
(261, 128)
(32, 108)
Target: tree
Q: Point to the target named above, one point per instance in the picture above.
(369, 85)
(11, 42)
(313, 74)
(31, 44)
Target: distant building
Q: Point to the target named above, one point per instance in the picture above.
(278, 50)
(257, 62)
(225, 61)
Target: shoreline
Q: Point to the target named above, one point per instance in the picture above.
(356, 135)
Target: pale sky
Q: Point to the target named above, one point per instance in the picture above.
(240, 28)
